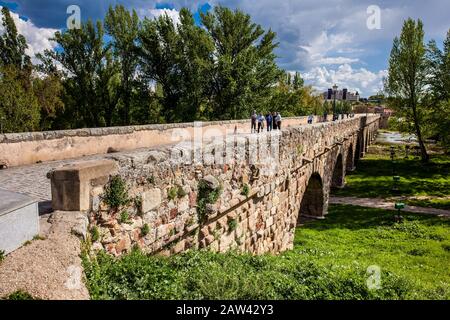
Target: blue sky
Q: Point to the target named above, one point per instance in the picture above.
(328, 41)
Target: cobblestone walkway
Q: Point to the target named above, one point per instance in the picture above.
(387, 205)
(32, 179)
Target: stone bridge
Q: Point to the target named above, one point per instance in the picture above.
(220, 187)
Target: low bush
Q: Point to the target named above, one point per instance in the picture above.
(116, 193)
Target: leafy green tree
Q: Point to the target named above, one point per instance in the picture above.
(83, 56)
(123, 27)
(298, 81)
(13, 44)
(179, 60)
(439, 84)
(48, 91)
(406, 82)
(244, 63)
(439, 69)
(19, 109)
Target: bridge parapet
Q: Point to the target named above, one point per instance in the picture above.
(241, 191)
(33, 147)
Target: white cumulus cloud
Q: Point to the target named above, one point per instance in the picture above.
(155, 13)
(355, 79)
(37, 38)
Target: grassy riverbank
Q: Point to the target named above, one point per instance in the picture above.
(329, 261)
(426, 185)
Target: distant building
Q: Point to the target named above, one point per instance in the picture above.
(341, 95)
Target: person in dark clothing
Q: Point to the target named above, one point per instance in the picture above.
(274, 122)
(269, 121)
(254, 116)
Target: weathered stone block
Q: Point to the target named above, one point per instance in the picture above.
(151, 199)
(71, 184)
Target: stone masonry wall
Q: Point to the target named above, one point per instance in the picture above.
(260, 197)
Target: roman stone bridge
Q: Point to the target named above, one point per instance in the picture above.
(219, 186)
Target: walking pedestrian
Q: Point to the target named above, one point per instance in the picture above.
(274, 121)
(278, 120)
(269, 121)
(253, 118)
(260, 123)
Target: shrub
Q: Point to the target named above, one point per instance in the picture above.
(172, 194)
(151, 179)
(145, 230)
(116, 193)
(138, 205)
(232, 225)
(20, 295)
(205, 196)
(180, 192)
(245, 191)
(124, 217)
(2, 255)
(95, 234)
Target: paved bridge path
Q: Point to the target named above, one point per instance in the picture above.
(32, 179)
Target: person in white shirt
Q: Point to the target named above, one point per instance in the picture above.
(278, 121)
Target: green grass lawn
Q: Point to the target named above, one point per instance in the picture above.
(423, 184)
(329, 261)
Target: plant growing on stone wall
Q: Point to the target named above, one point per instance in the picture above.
(145, 230)
(172, 194)
(180, 192)
(124, 217)
(299, 149)
(245, 190)
(190, 222)
(176, 192)
(116, 193)
(2, 255)
(151, 179)
(207, 194)
(95, 234)
(232, 225)
(216, 234)
(138, 205)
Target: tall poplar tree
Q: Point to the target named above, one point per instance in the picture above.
(407, 79)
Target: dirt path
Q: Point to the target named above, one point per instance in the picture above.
(387, 205)
(50, 268)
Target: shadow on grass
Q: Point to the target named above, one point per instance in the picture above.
(374, 178)
(355, 218)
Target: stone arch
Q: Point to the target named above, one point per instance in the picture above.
(312, 204)
(349, 164)
(337, 179)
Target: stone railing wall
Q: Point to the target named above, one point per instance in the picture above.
(32, 147)
(261, 179)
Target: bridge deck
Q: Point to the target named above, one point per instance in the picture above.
(32, 179)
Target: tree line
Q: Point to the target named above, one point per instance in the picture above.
(125, 71)
(418, 85)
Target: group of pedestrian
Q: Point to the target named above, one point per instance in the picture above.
(272, 120)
